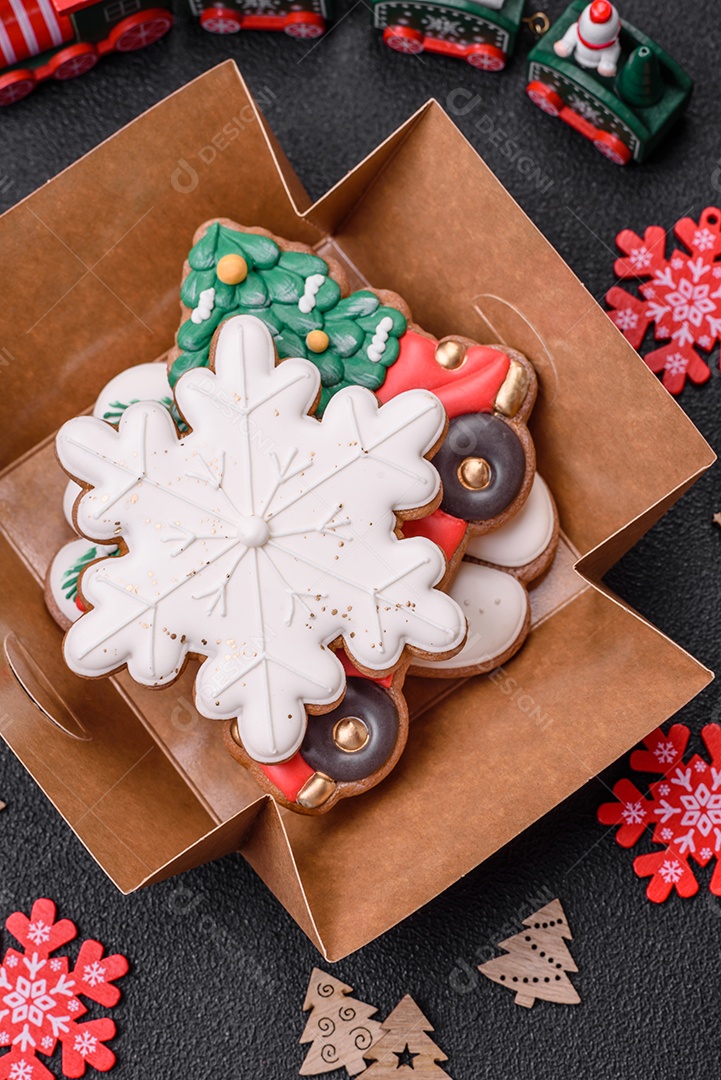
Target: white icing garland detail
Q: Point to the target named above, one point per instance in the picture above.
(378, 342)
(206, 303)
(259, 538)
(312, 285)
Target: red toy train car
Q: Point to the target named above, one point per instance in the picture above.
(61, 39)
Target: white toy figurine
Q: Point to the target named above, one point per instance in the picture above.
(593, 40)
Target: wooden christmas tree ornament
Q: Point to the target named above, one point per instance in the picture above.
(405, 1049)
(536, 961)
(339, 1027)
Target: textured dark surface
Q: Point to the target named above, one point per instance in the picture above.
(219, 971)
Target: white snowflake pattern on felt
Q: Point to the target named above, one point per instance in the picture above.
(38, 1003)
(671, 871)
(85, 1044)
(704, 239)
(20, 1070)
(640, 257)
(259, 538)
(633, 814)
(676, 363)
(39, 933)
(94, 974)
(626, 320)
(685, 806)
(703, 809)
(665, 752)
(681, 299)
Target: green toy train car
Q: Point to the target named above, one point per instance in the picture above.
(297, 18)
(481, 33)
(625, 114)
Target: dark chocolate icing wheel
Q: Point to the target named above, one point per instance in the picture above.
(357, 737)
(482, 465)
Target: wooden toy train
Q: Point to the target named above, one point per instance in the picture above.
(608, 81)
(482, 34)
(297, 18)
(598, 74)
(61, 39)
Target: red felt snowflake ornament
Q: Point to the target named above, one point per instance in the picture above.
(682, 297)
(684, 807)
(40, 995)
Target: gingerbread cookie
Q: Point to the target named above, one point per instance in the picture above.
(487, 461)
(143, 382)
(263, 541)
(491, 587)
(302, 299)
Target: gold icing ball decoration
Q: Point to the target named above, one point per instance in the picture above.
(317, 340)
(350, 734)
(474, 473)
(450, 354)
(232, 269)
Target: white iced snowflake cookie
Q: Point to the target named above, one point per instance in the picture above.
(142, 382)
(259, 539)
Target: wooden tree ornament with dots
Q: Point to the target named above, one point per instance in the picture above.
(536, 961)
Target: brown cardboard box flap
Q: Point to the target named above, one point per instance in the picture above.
(141, 778)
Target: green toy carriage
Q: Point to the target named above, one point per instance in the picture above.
(482, 33)
(626, 116)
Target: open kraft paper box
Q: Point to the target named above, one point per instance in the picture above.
(144, 782)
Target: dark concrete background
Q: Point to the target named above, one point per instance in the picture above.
(219, 970)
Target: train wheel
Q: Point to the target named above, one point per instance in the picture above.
(15, 86)
(482, 465)
(612, 148)
(545, 98)
(357, 738)
(404, 39)
(221, 20)
(486, 58)
(304, 25)
(141, 29)
(74, 61)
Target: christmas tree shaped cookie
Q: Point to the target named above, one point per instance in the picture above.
(406, 1049)
(536, 961)
(301, 298)
(339, 1028)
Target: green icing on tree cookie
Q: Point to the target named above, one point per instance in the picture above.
(291, 292)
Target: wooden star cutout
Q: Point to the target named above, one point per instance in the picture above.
(405, 1057)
